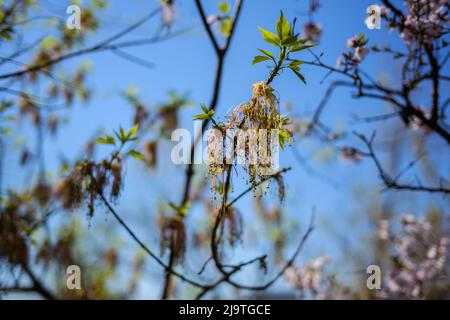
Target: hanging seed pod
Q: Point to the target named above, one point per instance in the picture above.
(150, 153)
(140, 113)
(233, 219)
(52, 123)
(116, 170)
(53, 90)
(41, 191)
(68, 95)
(169, 115)
(13, 246)
(173, 236)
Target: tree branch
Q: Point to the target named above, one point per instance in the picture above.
(391, 183)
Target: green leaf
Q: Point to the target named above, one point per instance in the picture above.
(299, 75)
(182, 210)
(295, 65)
(282, 137)
(269, 37)
(204, 108)
(290, 41)
(301, 41)
(6, 131)
(224, 7)
(133, 130)
(201, 116)
(123, 134)
(5, 36)
(106, 140)
(283, 27)
(5, 33)
(225, 27)
(285, 135)
(259, 59)
(100, 4)
(136, 154)
(281, 142)
(268, 53)
(117, 135)
(49, 43)
(300, 48)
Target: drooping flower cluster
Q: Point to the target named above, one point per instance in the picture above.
(87, 182)
(254, 124)
(15, 219)
(420, 259)
(173, 236)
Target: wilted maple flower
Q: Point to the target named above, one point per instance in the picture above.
(173, 236)
(13, 244)
(53, 90)
(116, 170)
(87, 181)
(42, 192)
(68, 191)
(258, 118)
(28, 107)
(52, 123)
(233, 219)
(68, 95)
(150, 153)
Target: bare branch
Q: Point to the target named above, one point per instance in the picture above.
(392, 183)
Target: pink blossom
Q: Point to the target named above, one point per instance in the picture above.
(312, 31)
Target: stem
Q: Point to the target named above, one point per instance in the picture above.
(277, 68)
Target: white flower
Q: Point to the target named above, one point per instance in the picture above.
(408, 219)
(383, 230)
(351, 43)
(361, 53)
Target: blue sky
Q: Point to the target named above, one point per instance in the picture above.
(186, 64)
